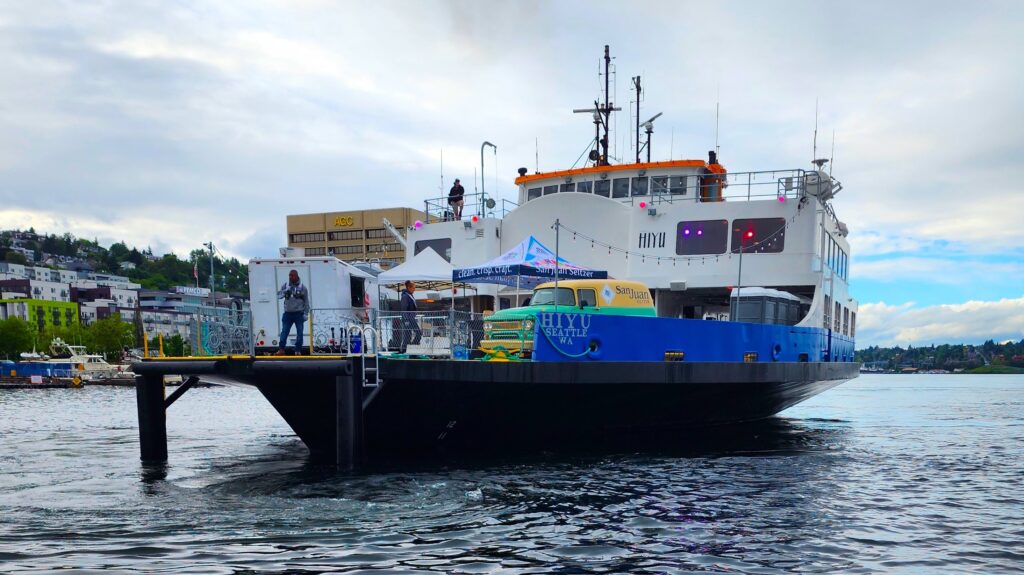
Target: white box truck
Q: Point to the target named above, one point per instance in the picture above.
(339, 293)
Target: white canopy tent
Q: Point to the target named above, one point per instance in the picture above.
(427, 270)
(426, 267)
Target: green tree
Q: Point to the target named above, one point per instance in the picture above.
(174, 346)
(110, 336)
(15, 258)
(15, 337)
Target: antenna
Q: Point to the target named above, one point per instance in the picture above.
(649, 128)
(718, 99)
(832, 156)
(602, 113)
(672, 144)
(536, 155)
(636, 86)
(442, 171)
(814, 154)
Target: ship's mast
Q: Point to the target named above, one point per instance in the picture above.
(602, 114)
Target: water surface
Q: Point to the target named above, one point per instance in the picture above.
(911, 474)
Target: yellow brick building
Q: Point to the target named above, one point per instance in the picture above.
(353, 235)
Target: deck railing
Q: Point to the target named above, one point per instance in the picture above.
(475, 204)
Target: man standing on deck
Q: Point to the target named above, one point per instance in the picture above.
(296, 310)
(456, 199)
(411, 332)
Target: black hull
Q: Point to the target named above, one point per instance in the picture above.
(432, 405)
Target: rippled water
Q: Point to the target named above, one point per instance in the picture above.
(886, 473)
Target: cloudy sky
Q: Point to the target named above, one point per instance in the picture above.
(170, 124)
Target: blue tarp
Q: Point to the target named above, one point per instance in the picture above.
(529, 264)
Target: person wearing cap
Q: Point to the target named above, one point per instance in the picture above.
(456, 199)
(411, 332)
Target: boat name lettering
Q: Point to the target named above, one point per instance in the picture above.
(651, 240)
(565, 327)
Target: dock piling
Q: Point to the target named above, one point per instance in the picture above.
(149, 395)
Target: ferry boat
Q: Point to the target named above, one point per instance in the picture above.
(748, 276)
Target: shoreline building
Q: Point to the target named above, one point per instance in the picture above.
(353, 235)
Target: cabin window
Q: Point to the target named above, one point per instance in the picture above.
(442, 246)
(659, 185)
(548, 190)
(585, 187)
(677, 185)
(853, 323)
(759, 235)
(640, 186)
(620, 188)
(838, 317)
(533, 193)
(828, 313)
(568, 188)
(602, 188)
(701, 237)
(846, 321)
(588, 297)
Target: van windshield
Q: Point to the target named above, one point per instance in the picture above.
(546, 296)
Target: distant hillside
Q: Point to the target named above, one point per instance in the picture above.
(152, 272)
(946, 356)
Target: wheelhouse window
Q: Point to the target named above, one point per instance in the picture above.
(701, 237)
(620, 188)
(640, 186)
(533, 193)
(585, 187)
(546, 296)
(659, 185)
(568, 188)
(548, 190)
(677, 185)
(602, 188)
(759, 235)
(442, 246)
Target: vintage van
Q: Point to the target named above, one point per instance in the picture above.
(511, 330)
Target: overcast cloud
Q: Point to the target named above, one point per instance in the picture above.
(170, 124)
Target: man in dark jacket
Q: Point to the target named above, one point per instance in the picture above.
(411, 332)
(456, 199)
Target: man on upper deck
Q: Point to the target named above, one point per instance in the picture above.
(456, 199)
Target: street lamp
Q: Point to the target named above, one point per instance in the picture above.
(213, 279)
(483, 194)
